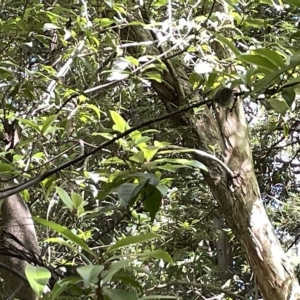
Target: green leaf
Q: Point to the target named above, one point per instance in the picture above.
(113, 269)
(61, 285)
(159, 3)
(271, 55)
(146, 176)
(278, 105)
(64, 196)
(48, 123)
(149, 152)
(195, 80)
(77, 200)
(105, 22)
(153, 76)
(263, 83)
(128, 193)
(288, 95)
(141, 140)
(95, 109)
(4, 168)
(37, 277)
(127, 280)
(65, 232)
(259, 60)
(138, 239)
(228, 43)
(89, 273)
(292, 2)
(30, 124)
(152, 202)
(138, 157)
(120, 124)
(118, 294)
(161, 254)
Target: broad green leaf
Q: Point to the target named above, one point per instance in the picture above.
(271, 55)
(159, 3)
(138, 239)
(153, 76)
(37, 277)
(105, 22)
(149, 152)
(259, 60)
(64, 196)
(127, 280)
(146, 176)
(292, 2)
(77, 200)
(132, 60)
(263, 83)
(195, 80)
(138, 157)
(47, 123)
(65, 232)
(95, 109)
(106, 135)
(113, 269)
(120, 123)
(110, 187)
(161, 254)
(141, 140)
(118, 294)
(89, 273)
(152, 201)
(228, 43)
(4, 168)
(61, 285)
(128, 192)
(278, 105)
(30, 124)
(288, 95)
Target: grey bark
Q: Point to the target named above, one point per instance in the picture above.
(17, 220)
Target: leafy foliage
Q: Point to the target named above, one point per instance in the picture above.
(135, 217)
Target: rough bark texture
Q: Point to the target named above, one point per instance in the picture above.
(15, 222)
(16, 219)
(239, 201)
(224, 253)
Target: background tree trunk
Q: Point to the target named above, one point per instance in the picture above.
(16, 219)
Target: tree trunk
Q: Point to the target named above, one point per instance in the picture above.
(16, 220)
(239, 201)
(18, 238)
